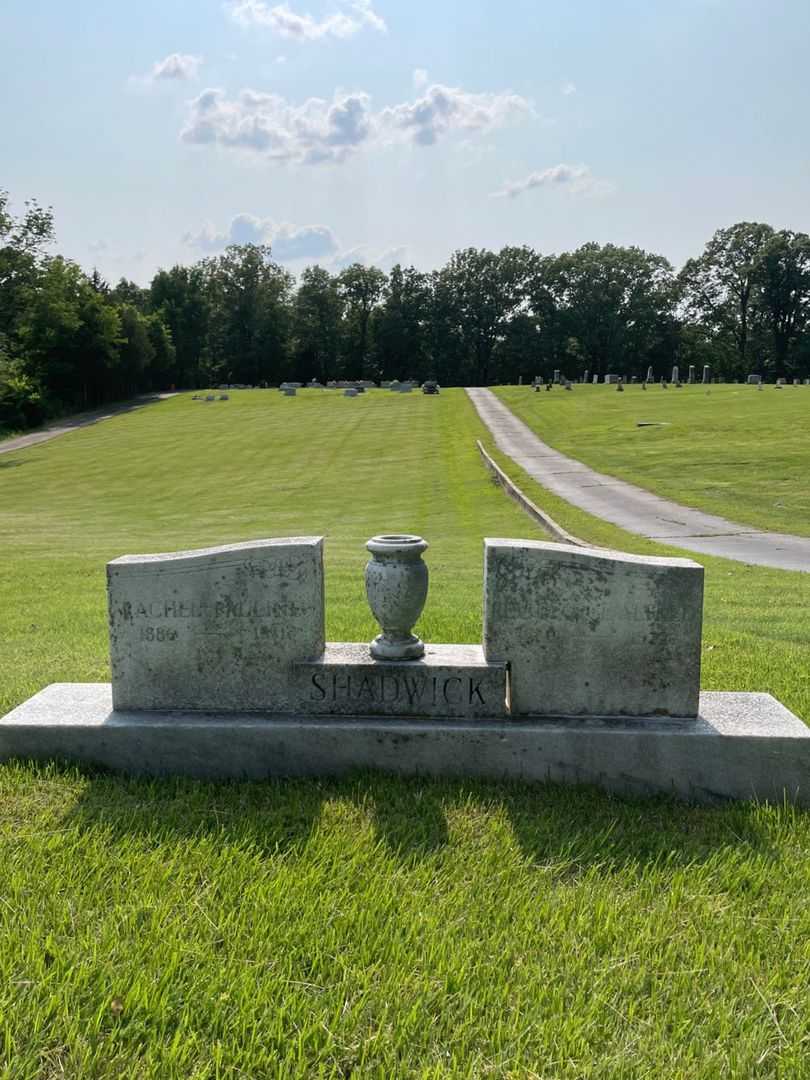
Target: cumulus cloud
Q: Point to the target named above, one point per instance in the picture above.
(420, 78)
(267, 124)
(573, 177)
(345, 23)
(384, 260)
(320, 131)
(175, 66)
(289, 243)
(443, 108)
(568, 88)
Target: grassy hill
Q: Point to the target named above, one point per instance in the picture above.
(369, 927)
(731, 450)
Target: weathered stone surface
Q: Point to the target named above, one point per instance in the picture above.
(593, 632)
(215, 629)
(742, 746)
(449, 681)
(396, 589)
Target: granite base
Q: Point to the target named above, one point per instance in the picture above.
(741, 746)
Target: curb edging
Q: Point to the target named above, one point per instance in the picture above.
(526, 504)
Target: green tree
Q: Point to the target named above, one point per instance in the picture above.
(70, 336)
(23, 242)
(400, 326)
(316, 322)
(250, 307)
(361, 289)
(718, 292)
(181, 297)
(617, 306)
(783, 293)
(135, 352)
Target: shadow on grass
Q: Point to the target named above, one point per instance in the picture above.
(578, 828)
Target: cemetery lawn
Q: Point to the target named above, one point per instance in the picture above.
(370, 927)
(726, 449)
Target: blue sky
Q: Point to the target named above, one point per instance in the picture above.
(388, 130)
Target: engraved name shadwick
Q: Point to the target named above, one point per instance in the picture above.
(390, 689)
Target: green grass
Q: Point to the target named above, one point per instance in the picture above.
(185, 474)
(730, 450)
(371, 927)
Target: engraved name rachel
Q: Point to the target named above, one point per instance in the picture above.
(226, 608)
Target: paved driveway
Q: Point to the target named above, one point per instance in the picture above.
(630, 507)
(70, 423)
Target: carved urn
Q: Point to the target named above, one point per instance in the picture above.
(396, 587)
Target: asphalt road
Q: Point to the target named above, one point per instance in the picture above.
(71, 423)
(632, 508)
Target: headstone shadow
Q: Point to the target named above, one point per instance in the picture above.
(575, 829)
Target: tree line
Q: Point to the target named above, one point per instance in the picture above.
(71, 340)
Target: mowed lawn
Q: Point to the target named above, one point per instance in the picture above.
(731, 450)
(369, 927)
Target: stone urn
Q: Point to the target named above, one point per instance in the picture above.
(396, 587)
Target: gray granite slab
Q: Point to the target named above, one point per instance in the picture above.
(448, 681)
(741, 746)
(588, 631)
(216, 628)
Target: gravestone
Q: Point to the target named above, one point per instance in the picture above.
(595, 380)
(350, 391)
(556, 377)
(650, 376)
(707, 374)
(217, 628)
(593, 632)
(675, 374)
(691, 378)
(611, 379)
(290, 391)
(754, 380)
(588, 674)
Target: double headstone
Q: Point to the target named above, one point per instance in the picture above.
(589, 672)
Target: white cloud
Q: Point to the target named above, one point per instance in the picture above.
(354, 16)
(385, 260)
(329, 131)
(568, 88)
(573, 177)
(289, 243)
(444, 108)
(176, 66)
(420, 78)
